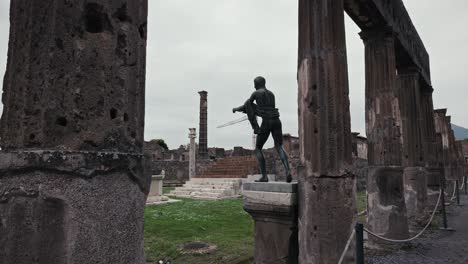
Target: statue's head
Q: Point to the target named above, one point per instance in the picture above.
(259, 82)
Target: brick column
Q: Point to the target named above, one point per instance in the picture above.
(72, 181)
(203, 137)
(386, 203)
(414, 176)
(327, 206)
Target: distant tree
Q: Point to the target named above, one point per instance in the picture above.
(160, 142)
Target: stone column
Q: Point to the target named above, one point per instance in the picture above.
(441, 129)
(72, 183)
(414, 176)
(327, 189)
(432, 145)
(203, 138)
(386, 203)
(192, 153)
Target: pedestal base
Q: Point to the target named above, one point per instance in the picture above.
(273, 206)
(386, 203)
(415, 187)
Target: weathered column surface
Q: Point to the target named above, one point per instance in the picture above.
(414, 176)
(72, 187)
(192, 153)
(273, 206)
(203, 138)
(386, 203)
(432, 146)
(327, 189)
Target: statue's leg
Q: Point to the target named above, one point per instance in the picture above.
(278, 138)
(261, 139)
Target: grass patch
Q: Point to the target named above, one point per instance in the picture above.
(223, 223)
(361, 205)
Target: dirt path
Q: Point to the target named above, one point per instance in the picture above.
(436, 247)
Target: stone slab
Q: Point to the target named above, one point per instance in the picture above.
(255, 177)
(270, 198)
(168, 201)
(274, 187)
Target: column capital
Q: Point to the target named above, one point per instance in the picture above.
(377, 33)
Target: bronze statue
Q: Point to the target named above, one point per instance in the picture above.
(271, 123)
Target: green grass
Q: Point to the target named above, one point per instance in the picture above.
(361, 205)
(223, 223)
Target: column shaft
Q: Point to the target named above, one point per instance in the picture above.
(386, 203)
(72, 182)
(325, 135)
(203, 137)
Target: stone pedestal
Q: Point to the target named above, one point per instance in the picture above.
(415, 188)
(385, 202)
(435, 177)
(156, 189)
(273, 206)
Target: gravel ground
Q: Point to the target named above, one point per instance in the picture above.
(435, 247)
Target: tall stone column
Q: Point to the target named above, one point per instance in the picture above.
(203, 138)
(192, 153)
(414, 176)
(441, 128)
(432, 145)
(327, 189)
(72, 183)
(386, 202)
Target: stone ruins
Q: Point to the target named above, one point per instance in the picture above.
(74, 179)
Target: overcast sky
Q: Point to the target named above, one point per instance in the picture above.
(221, 45)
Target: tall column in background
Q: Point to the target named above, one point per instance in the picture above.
(414, 177)
(72, 181)
(325, 180)
(203, 129)
(192, 153)
(386, 202)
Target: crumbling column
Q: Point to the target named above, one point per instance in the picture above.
(414, 176)
(203, 137)
(432, 146)
(386, 203)
(192, 153)
(72, 183)
(327, 189)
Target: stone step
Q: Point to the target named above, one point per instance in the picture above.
(185, 189)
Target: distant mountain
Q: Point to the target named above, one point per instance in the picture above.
(460, 132)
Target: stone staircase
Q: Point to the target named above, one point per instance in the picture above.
(220, 181)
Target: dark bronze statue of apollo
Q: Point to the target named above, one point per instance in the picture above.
(264, 107)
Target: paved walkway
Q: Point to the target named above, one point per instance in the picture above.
(436, 247)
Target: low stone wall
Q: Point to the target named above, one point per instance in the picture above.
(177, 172)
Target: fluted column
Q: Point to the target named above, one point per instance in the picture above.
(72, 181)
(325, 180)
(414, 176)
(386, 203)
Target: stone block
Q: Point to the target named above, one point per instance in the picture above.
(270, 198)
(415, 187)
(275, 216)
(386, 203)
(156, 188)
(278, 187)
